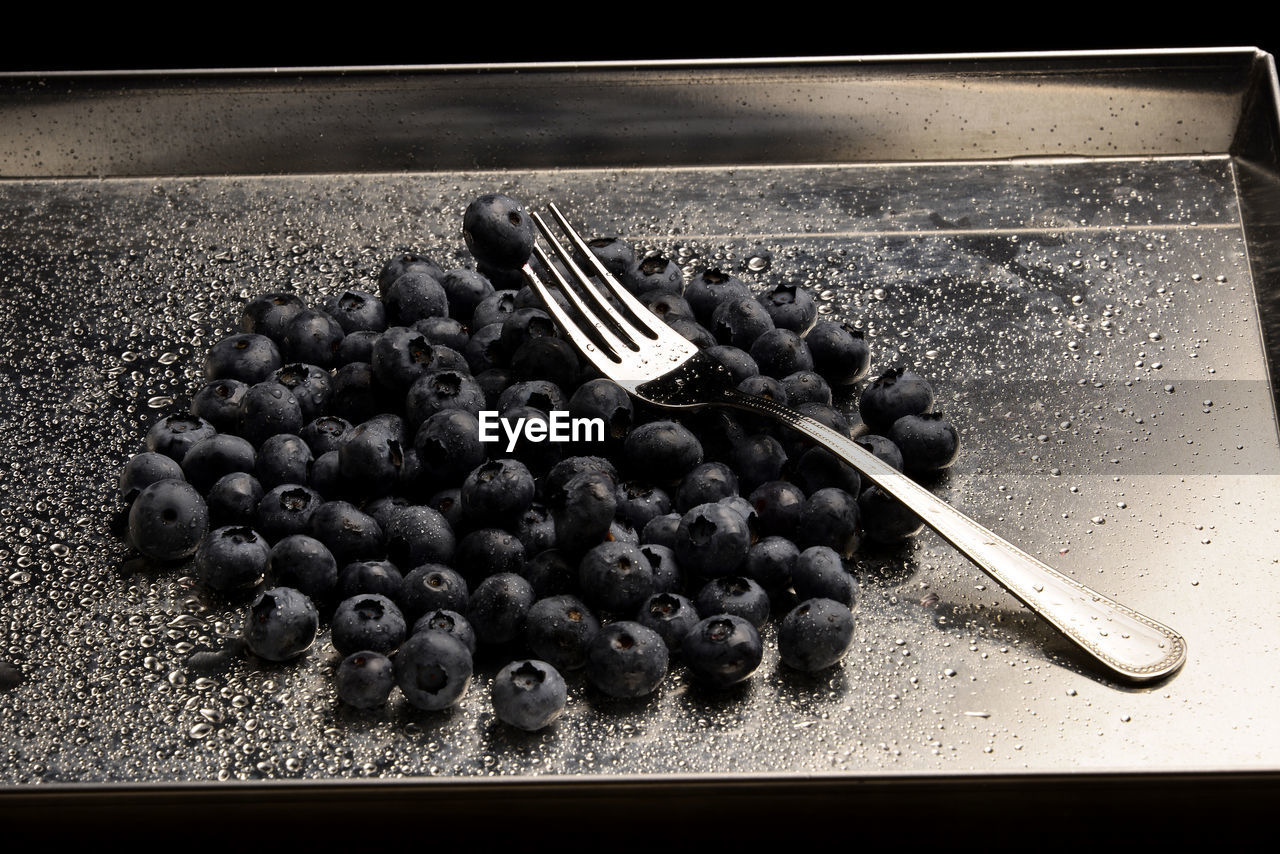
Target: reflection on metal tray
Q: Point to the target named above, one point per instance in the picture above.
(1092, 324)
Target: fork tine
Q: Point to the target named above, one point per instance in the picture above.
(626, 331)
(605, 355)
(641, 316)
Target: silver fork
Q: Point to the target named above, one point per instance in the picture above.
(653, 362)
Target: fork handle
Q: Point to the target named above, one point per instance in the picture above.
(1129, 644)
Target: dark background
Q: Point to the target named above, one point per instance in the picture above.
(223, 37)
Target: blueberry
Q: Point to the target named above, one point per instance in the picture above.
(370, 576)
(666, 571)
(551, 573)
(282, 624)
(144, 469)
(213, 458)
(404, 263)
(928, 442)
(758, 459)
(712, 540)
(365, 679)
(326, 433)
(883, 448)
(586, 508)
(780, 352)
(310, 386)
(806, 387)
(286, 510)
(626, 659)
(418, 535)
(818, 468)
(451, 623)
(722, 650)
(886, 519)
(552, 359)
(662, 451)
(357, 311)
(666, 305)
(247, 357)
(232, 557)
(268, 314)
(738, 362)
(559, 629)
(739, 322)
(770, 563)
(174, 435)
(498, 231)
(540, 394)
(402, 355)
(356, 347)
(445, 331)
(528, 694)
(638, 502)
(706, 484)
(493, 309)
(614, 253)
(267, 409)
(819, 573)
(349, 533)
(671, 615)
(233, 500)
(840, 352)
(312, 337)
(372, 457)
(283, 458)
(499, 607)
(894, 394)
(711, 288)
(829, 518)
(692, 331)
(430, 587)
(433, 670)
(536, 530)
(219, 404)
(791, 307)
(815, 635)
(497, 492)
(356, 395)
(661, 530)
(305, 564)
(778, 505)
(442, 390)
(553, 485)
(465, 290)
(737, 595)
(616, 576)
(652, 275)
(416, 295)
(488, 551)
(167, 520)
(367, 621)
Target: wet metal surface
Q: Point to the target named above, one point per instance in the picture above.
(1091, 328)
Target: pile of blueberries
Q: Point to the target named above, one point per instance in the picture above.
(334, 458)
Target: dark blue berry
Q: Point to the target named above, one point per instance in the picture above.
(498, 231)
(528, 694)
(174, 435)
(433, 670)
(305, 564)
(230, 558)
(247, 357)
(282, 624)
(815, 634)
(559, 629)
(928, 442)
(365, 679)
(894, 394)
(167, 520)
(722, 650)
(367, 621)
(144, 469)
(626, 659)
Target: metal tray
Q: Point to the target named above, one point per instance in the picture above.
(1080, 249)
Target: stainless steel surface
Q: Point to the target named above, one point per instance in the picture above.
(659, 366)
(1095, 328)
